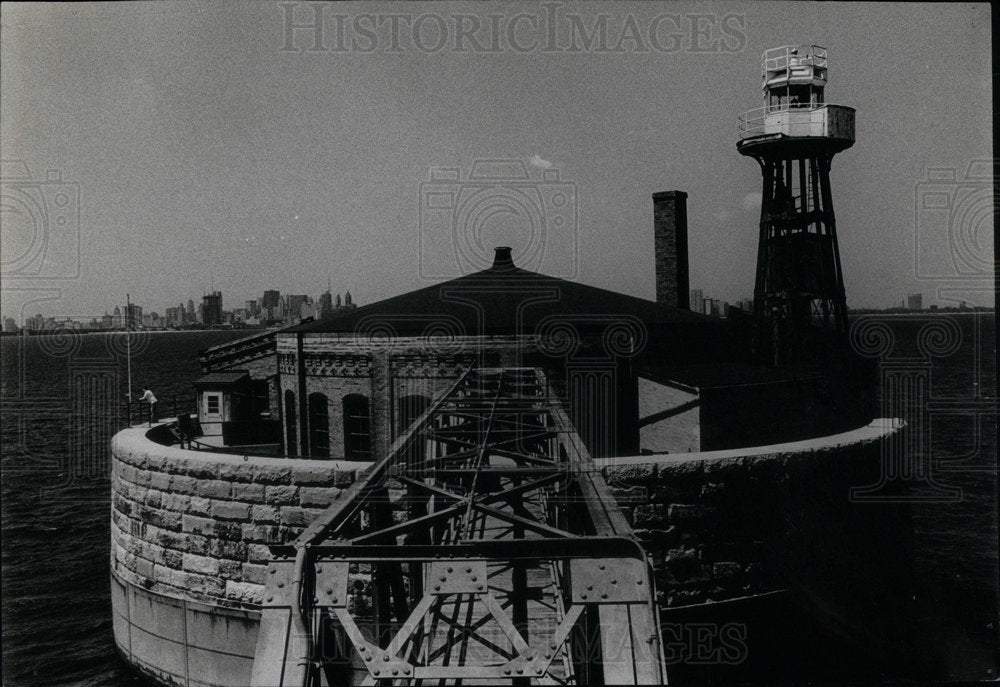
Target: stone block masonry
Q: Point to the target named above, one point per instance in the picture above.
(725, 525)
(196, 525)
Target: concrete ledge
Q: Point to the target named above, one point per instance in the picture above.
(876, 430)
(134, 446)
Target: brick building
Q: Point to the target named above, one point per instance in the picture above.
(350, 385)
(636, 375)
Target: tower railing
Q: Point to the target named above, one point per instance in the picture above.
(825, 116)
(793, 55)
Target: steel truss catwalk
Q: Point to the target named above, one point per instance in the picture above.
(483, 549)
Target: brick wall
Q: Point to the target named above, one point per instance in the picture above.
(381, 369)
(197, 525)
(266, 368)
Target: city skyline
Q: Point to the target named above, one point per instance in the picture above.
(282, 161)
(194, 312)
(699, 302)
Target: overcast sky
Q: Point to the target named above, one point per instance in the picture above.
(217, 146)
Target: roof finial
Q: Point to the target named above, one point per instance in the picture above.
(502, 259)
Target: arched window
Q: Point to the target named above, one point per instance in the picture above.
(319, 426)
(357, 428)
(410, 408)
(291, 444)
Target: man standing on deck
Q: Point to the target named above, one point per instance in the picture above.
(149, 398)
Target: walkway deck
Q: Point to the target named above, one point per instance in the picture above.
(507, 562)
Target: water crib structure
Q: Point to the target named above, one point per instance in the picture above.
(417, 491)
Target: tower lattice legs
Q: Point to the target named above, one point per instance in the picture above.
(799, 290)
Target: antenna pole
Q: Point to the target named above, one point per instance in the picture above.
(128, 343)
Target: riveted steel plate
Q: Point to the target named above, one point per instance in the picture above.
(278, 584)
(331, 583)
(609, 580)
(457, 577)
(383, 665)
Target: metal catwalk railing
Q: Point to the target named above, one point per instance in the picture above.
(137, 412)
(483, 549)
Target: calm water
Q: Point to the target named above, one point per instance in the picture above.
(59, 412)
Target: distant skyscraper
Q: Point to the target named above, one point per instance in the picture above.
(325, 305)
(172, 317)
(915, 301)
(213, 308)
(133, 316)
(696, 300)
(270, 299)
(293, 305)
(191, 316)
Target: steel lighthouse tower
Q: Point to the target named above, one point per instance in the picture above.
(799, 290)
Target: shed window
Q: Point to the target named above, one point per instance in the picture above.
(260, 398)
(290, 441)
(212, 404)
(357, 428)
(319, 426)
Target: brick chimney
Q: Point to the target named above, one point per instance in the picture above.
(670, 239)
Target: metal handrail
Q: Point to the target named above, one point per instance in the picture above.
(140, 411)
(776, 58)
(751, 122)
